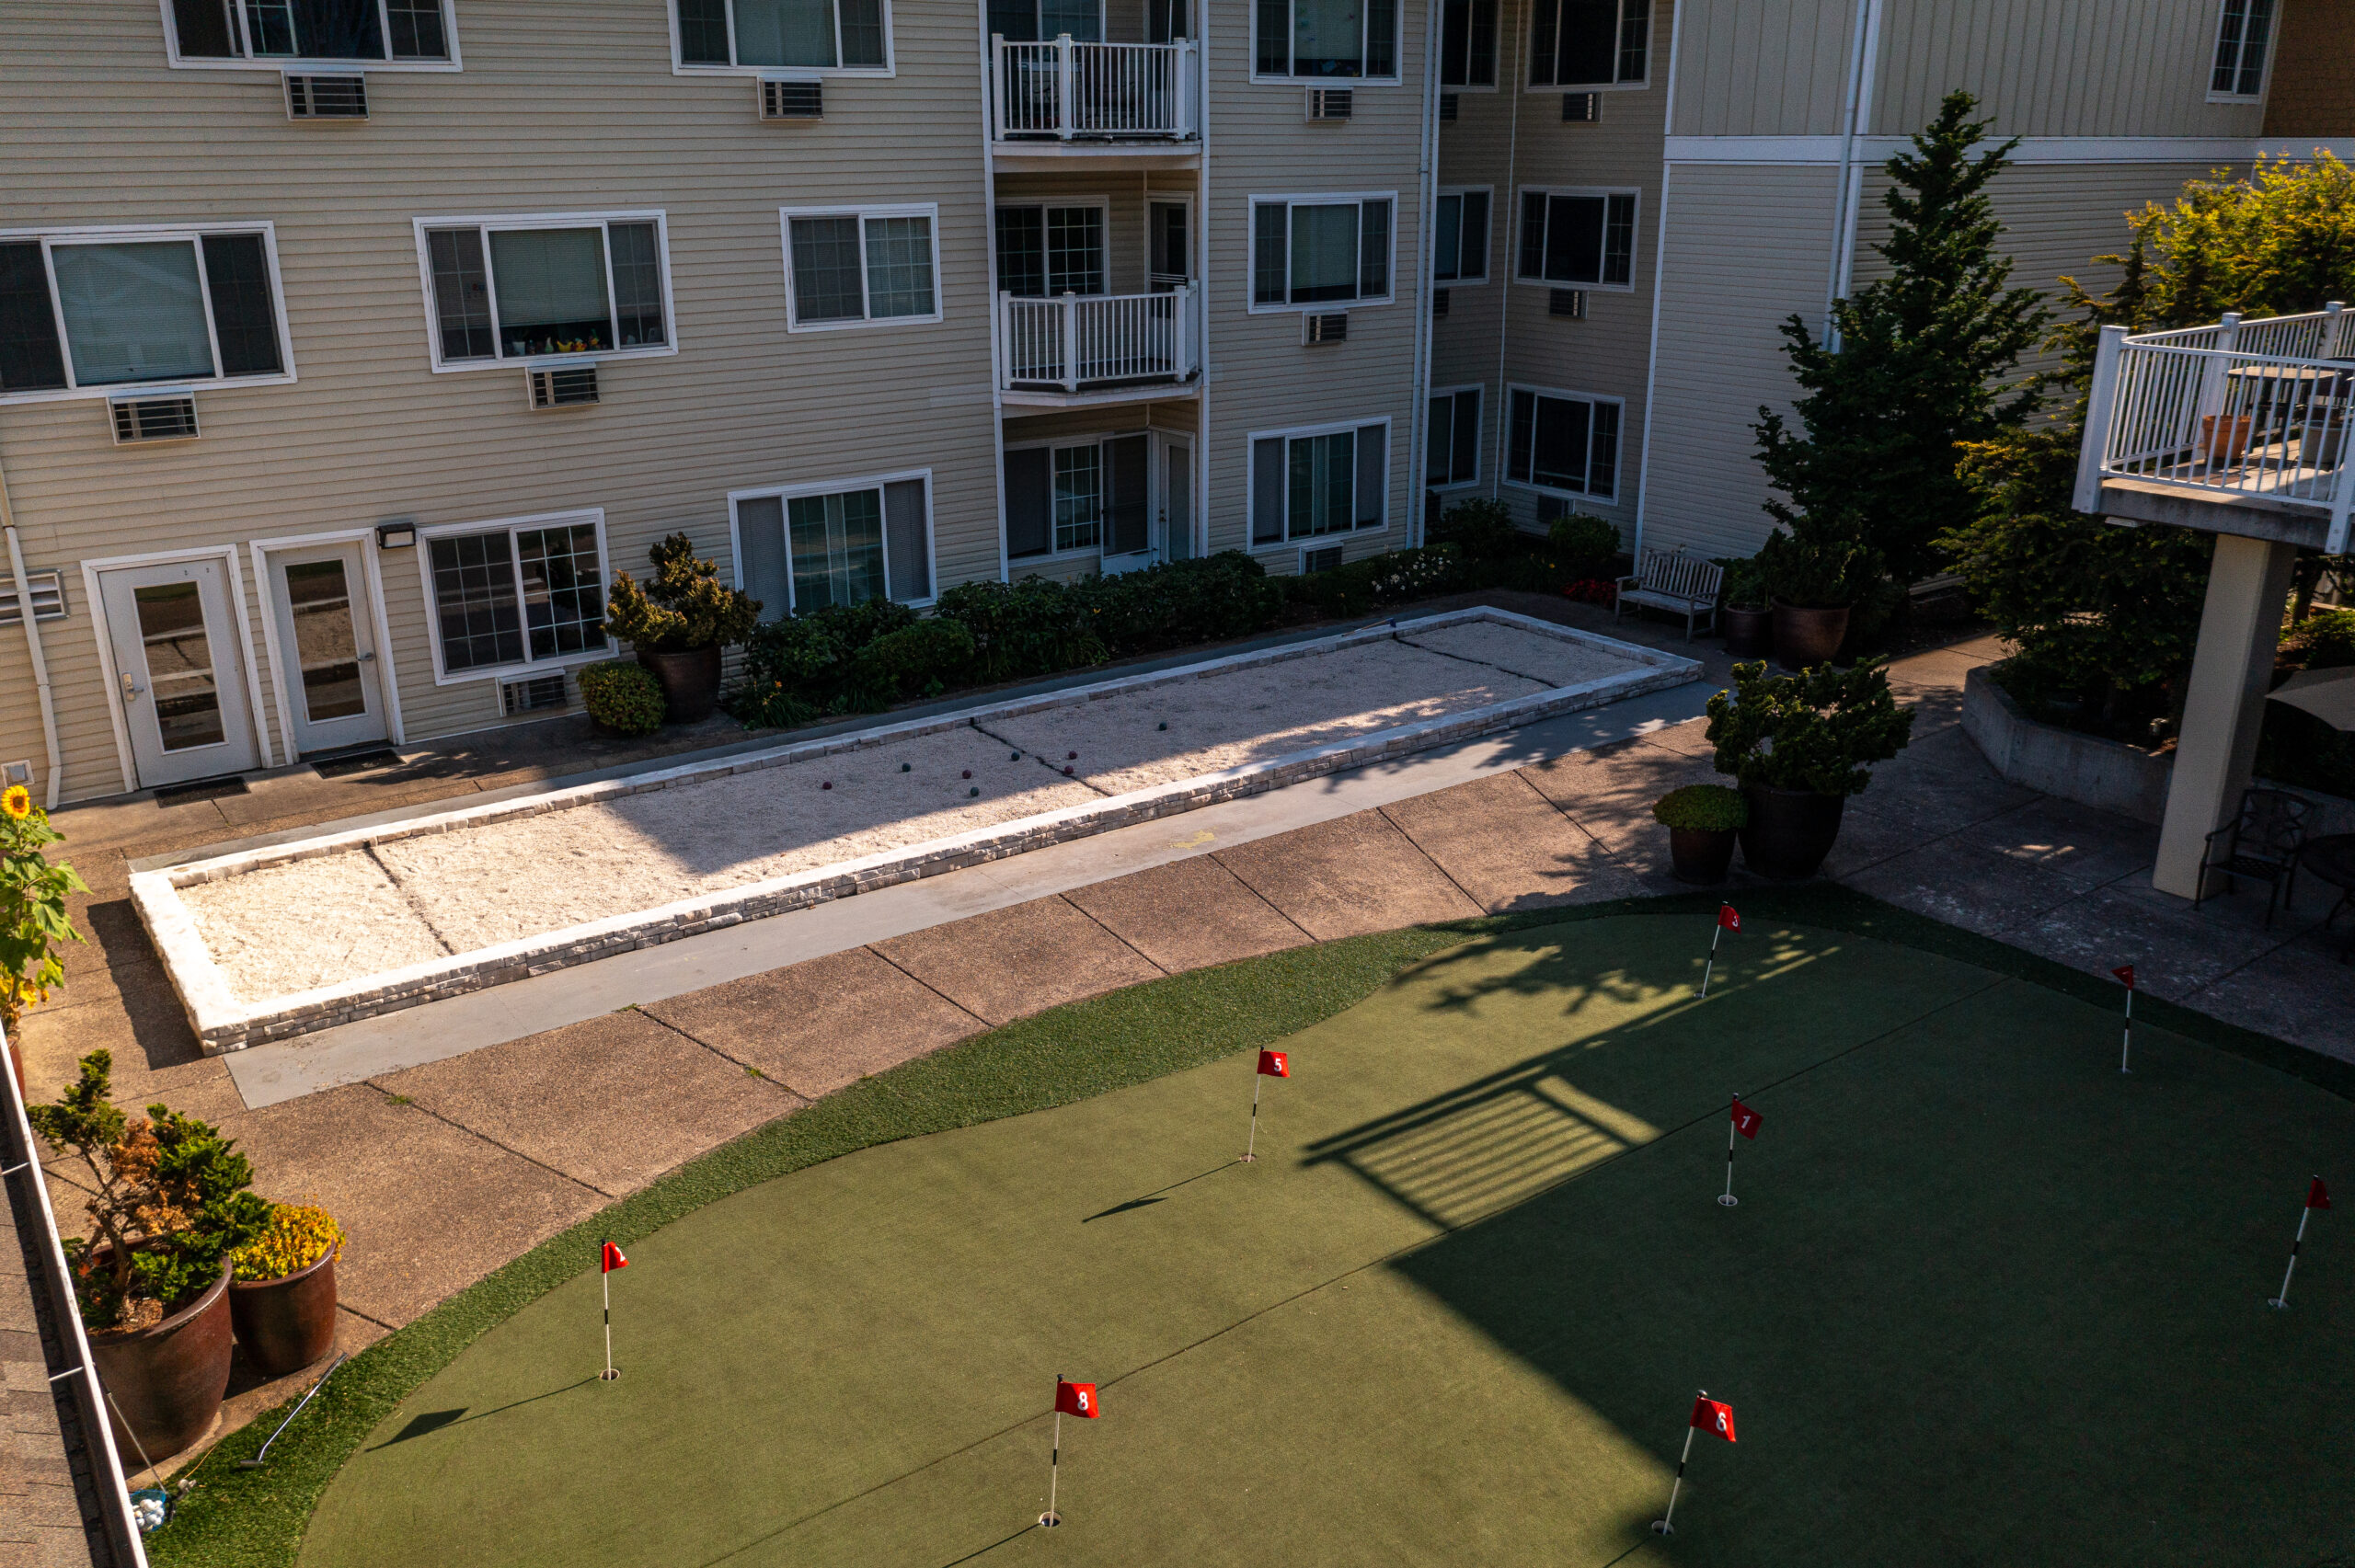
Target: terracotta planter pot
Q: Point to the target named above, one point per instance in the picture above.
(286, 1323)
(167, 1381)
(2225, 439)
(1790, 831)
(1749, 634)
(1804, 637)
(1702, 855)
(690, 683)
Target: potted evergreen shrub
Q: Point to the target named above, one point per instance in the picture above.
(281, 1302)
(677, 622)
(1798, 745)
(1703, 821)
(622, 699)
(152, 1279)
(1747, 617)
(1813, 573)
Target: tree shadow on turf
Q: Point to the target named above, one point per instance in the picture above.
(433, 1421)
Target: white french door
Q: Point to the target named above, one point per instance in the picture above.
(173, 630)
(326, 648)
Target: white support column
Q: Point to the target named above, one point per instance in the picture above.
(2239, 627)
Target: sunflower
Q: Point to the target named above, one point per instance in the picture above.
(18, 802)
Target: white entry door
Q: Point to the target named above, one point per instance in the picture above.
(326, 648)
(177, 672)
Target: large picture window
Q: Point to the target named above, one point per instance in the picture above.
(1319, 250)
(839, 543)
(1326, 38)
(1563, 443)
(1590, 43)
(1460, 237)
(91, 310)
(2243, 38)
(1467, 43)
(1314, 483)
(534, 287)
(512, 595)
(1045, 251)
(825, 35)
(338, 33)
(1088, 497)
(1578, 236)
(1453, 442)
(847, 268)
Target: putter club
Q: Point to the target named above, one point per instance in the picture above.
(263, 1452)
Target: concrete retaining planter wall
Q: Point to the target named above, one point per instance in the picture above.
(2061, 763)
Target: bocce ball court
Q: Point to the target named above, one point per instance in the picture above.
(1984, 1298)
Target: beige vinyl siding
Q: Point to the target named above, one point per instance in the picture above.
(1762, 67)
(97, 125)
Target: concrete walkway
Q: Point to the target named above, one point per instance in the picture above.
(444, 1164)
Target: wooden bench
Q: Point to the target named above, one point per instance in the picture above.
(1671, 581)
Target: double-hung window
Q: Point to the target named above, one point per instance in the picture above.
(1326, 38)
(537, 287)
(1460, 237)
(756, 35)
(91, 310)
(1088, 497)
(1324, 481)
(1453, 442)
(1590, 43)
(1033, 21)
(1563, 443)
(2243, 38)
(408, 33)
(1320, 250)
(1045, 251)
(1586, 237)
(1467, 43)
(847, 267)
(508, 595)
(841, 542)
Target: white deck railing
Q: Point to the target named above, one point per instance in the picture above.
(1064, 91)
(1077, 340)
(2240, 410)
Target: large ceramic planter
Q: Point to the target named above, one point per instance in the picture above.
(289, 1322)
(1805, 637)
(690, 683)
(1749, 634)
(1702, 855)
(166, 1382)
(1789, 832)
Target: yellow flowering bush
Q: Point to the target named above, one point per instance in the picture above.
(33, 921)
(298, 1235)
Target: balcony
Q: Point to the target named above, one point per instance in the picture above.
(2239, 428)
(1065, 97)
(1096, 348)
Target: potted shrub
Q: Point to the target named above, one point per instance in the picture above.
(1799, 745)
(152, 1278)
(1703, 821)
(281, 1302)
(1813, 574)
(33, 917)
(622, 699)
(1747, 617)
(677, 622)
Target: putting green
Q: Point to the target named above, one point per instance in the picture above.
(1984, 1299)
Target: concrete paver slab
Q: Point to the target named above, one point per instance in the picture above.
(1011, 962)
(1189, 914)
(1508, 846)
(1609, 792)
(1348, 876)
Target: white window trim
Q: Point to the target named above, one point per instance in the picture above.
(1479, 454)
(50, 239)
(529, 666)
(1487, 273)
(95, 597)
(1634, 234)
(274, 62)
(1101, 203)
(1439, 45)
(931, 210)
(1504, 429)
(2265, 74)
(424, 226)
(1397, 44)
(1320, 307)
(835, 487)
(679, 66)
(1056, 443)
(1639, 85)
(1292, 433)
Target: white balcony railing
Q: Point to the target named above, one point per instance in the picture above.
(2238, 411)
(1115, 92)
(1075, 341)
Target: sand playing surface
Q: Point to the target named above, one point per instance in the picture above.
(308, 923)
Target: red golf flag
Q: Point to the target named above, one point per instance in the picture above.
(1076, 1399)
(1730, 918)
(2317, 1195)
(1745, 1120)
(611, 1258)
(1714, 1415)
(1275, 1064)
(2125, 972)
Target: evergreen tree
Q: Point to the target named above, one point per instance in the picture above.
(1911, 369)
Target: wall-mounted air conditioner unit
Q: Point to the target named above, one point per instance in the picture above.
(325, 97)
(562, 387)
(538, 694)
(49, 597)
(1569, 303)
(1331, 327)
(152, 416)
(1323, 558)
(1447, 106)
(1581, 108)
(792, 98)
(1438, 304)
(1330, 103)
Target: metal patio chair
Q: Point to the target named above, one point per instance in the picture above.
(2260, 842)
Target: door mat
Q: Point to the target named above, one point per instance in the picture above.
(200, 789)
(357, 762)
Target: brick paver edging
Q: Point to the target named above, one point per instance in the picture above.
(222, 1023)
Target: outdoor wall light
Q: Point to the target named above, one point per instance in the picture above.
(398, 535)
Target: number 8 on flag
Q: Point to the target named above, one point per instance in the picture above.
(1076, 1399)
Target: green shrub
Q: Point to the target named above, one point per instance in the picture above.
(802, 668)
(1036, 627)
(34, 918)
(1178, 603)
(1583, 545)
(2324, 640)
(685, 606)
(1817, 564)
(920, 660)
(623, 697)
(1709, 809)
(1813, 731)
(1744, 587)
(1481, 527)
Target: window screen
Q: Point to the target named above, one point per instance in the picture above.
(826, 274)
(564, 600)
(245, 322)
(1461, 241)
(1578, 238)
(1562, 443)
(2242, 32)
(637, 284)
(1589, 43)
(460, 294)
(1030, 504)
(907, 543)
(761, 555)
(1468, 43)
(1268, 491)
(30, 358)
(1453, 442)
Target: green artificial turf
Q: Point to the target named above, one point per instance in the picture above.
(1985, 1300)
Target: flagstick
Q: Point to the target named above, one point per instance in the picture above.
(1715, 931)
(2126, 1048)
(605, 1278)
(1728, 1199)
(1661, 1524)
(1248, 1152)
(1049, 1519)
(2282, 1303)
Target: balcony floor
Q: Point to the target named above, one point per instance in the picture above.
(1092, 395)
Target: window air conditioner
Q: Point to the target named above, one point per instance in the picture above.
(1569, 304)
(1581, 108)
(784, 98)
(536, 695)
(1438, 304)
(1447, 106)
(325, 97)
(562, 387)
(1322, 559)
(170, 417)
(1333, 327)
(1328, 103)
